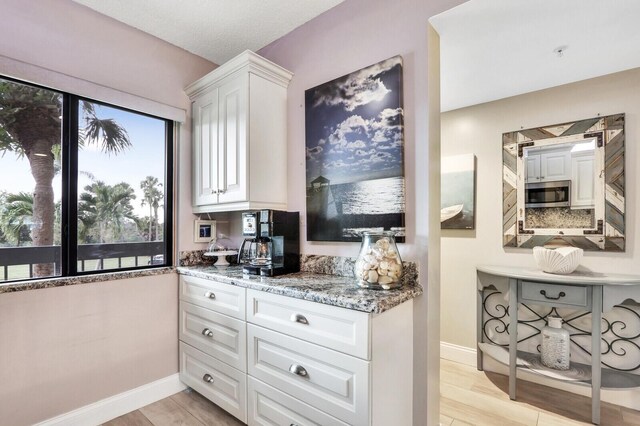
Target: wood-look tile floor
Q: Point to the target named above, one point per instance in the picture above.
(467, 397)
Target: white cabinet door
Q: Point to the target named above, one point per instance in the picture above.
(215, 380)
(555, 166)
(218, 335)
(583, 181)
(232, 134)
(267, 406)
(330, 381)
(205, 148)
(343, 330)
(532, 168)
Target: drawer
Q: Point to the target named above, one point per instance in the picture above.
(329, 381)
(216, 381)
(220, 297)
(218, 335)
(555, 294)
(270, 407)
(344, 330)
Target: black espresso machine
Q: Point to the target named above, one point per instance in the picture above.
(275, 231)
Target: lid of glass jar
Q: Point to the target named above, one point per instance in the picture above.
(555, 322)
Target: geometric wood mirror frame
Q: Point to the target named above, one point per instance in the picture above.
(564, 185)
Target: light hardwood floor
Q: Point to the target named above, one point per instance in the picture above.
(467, 397)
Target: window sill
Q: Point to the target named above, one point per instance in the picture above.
(83, 279)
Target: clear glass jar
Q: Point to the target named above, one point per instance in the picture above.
(379, 265)
(556, 345)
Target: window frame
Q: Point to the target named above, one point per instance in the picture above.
(69, 186)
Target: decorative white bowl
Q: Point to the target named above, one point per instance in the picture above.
(563, 260)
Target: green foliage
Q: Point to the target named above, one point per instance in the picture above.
(103, 211)
(21, 105)
(104, 132)
(153, 196)
(16, 212)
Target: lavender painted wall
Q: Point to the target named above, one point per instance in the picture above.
(346, 38)
(64, 348)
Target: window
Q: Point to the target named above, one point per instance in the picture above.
(83, 185)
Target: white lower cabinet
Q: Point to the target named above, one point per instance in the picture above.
(218, 335)
(283, 361)
(271, 407)
(215, 380)
(333, 382)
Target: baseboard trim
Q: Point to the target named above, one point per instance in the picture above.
(117, 405)
(457, 353)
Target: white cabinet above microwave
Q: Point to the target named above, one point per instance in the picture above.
(239, 136)
(548, 166)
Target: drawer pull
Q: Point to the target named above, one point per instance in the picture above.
(207, 332)
(300, 319)
(207, 378)
(561, 294)
(210, 295)
(298, 370)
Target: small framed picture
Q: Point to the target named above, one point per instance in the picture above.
(204, 231)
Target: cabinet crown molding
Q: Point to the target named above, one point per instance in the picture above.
(248, 61)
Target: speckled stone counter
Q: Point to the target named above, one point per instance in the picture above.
(335, 290)
(82, 279)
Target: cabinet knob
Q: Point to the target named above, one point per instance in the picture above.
(222, 191)
(207, 332)
(299, 319)
(207, 378)
(210, 295)
(298, 370)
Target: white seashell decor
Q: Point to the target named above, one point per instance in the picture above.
(563, 260)
(379, 264)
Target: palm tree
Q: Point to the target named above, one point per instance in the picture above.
(152, 196)
(30, 125)
(16, 214)
(106, 207)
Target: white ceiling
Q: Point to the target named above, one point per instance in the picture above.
(492, 49)
(217, 30)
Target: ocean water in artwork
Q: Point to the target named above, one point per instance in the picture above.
(378, 196)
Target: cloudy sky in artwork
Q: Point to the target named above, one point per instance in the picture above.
(354, 128)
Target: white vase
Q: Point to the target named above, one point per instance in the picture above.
(556, 345)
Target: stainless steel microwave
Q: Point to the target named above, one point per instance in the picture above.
(547, 194)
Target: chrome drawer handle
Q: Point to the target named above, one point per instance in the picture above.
(544, 293)
(207, 332)
(210, 295)
(300, 319)
(207, 378)
(298, 370)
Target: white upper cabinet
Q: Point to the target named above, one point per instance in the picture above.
(239, 116)
(555, 166)
(583, 181)
(547, 166)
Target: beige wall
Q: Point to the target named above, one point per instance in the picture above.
(478, 129)
(63, 348)
(355, 34)
(66, 347)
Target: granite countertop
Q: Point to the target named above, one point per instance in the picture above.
(36, 284)
(335, 290)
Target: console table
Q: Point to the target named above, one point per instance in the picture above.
(592, 292)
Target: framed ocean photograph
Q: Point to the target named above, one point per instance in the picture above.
(355, 154)
(458, 187)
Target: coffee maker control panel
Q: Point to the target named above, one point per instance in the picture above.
(249, 224)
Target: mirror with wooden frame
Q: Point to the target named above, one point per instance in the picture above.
(564, 185)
